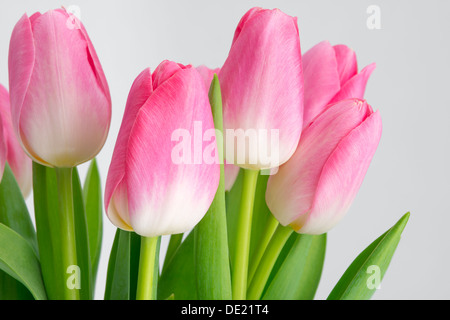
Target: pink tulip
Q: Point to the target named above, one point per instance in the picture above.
(230, 170)
(262, 90)
(19, 162)
(330, 75)
(314, 189)
(60, 101)
(146, 190)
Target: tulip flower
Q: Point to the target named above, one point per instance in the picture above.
(330, 75)
(19, 162)
(262, 93)
(60, 101)
(231, 171)
(262, 90)
(315, 188)
(61, 112)
(146, 191)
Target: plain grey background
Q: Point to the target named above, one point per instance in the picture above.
(410, 87)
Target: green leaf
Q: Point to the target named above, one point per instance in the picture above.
(82, 239)
(13, 209)
(233, 201)
(18, 259)
(212, 268)
(118, 285)
(178, 278)
(360, 280)
(14, 214)
(300, 268)
(92, 195)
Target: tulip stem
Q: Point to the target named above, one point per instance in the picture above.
(269, 230)
(147, 277)
(244, 227)
(67, 228)
(268, 260)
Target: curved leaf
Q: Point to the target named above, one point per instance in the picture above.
(362, 277)
(19, 260)
(297, 278)
(92, 195)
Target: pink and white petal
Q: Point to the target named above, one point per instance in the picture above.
(140, 91)
(165, 196)
(19, 162)
(346, 62)
(231, 172)
(164, 71)
(356, 86)
(20, 66)
(207, 74)
(262, 83)
(291, 191)
(321, 79)
(2, 150)
(117, 209)
(342, 176)
(65, 115)
(247, 16)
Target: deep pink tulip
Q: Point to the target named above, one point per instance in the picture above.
(230, 170)
(60, 101)
(314, 189)
(146, 190)
(19, 162)
(330, 75)
(262, 90)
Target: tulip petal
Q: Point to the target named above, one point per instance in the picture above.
(356, 86)
(322, 80)
(20, 66)
(207, 74)
(19, 162)
(249, 14)
(166, 197)
(66, 114)
(342, 176)
(141, 89)
(2, 150)
(164, 71)
(262, 87)
(346, 63)
(290, 192)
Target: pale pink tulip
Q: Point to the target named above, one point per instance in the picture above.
(2, 150)
(147, 190)
(330, 75)
(19, 162)
(230, 170)
(314, 189)
(262, 90)
(60, 101)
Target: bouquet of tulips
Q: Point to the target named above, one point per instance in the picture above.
(246, 167)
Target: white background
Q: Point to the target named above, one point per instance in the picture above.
(410, 87)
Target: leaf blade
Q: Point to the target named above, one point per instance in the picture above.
(353, 285)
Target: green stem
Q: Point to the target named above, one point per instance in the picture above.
(269, 258)
(67, 227)
(174, 243)
(269, 230)
(240, 268)
(146, 273)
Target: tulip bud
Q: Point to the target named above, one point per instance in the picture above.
(262, 90)
(147, 189)
(230, 170)
(19, 162)
(314, 189)
(60, 101)
(330, 75)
